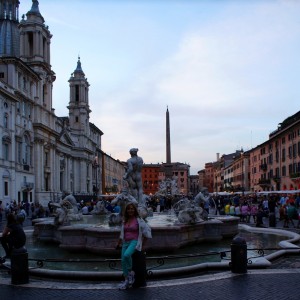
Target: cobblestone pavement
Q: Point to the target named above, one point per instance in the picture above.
(262, 284)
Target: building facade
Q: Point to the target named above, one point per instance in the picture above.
(43, 156)
(150, 178)
(271, 166)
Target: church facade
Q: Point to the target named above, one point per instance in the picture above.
(42, 156)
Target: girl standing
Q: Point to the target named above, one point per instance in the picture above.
(134, 233)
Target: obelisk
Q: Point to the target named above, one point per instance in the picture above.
(168, 140)
(168, 164)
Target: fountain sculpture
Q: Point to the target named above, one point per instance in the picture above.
(189, 224)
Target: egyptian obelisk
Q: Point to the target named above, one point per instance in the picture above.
(168, 164)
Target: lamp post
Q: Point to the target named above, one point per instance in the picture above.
(95, 187)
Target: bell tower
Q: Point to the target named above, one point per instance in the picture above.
(79, 110)
(35, 39)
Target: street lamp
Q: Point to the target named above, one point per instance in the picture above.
(95, 187)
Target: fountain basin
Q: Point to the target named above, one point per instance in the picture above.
(168, 236)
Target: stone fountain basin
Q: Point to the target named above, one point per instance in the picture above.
(165, 237)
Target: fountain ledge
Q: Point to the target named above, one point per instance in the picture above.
(101, 240)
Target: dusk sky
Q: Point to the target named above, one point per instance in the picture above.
(229, 71)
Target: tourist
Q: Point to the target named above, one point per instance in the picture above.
(7, 210)
(162, 203)
(291, 214)
(253, 212)
(227, 209)
(134, 233)
(85, 210)
(232, 209)
(244, 212)
(282, 212)
(13, 236)
(297, 201)
(259, 216)
(21, 216)
(238, 211)
(219, 206)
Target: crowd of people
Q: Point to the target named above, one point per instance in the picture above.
(283, 207)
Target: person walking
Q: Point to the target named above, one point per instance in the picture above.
(134, 233)
(292, 214)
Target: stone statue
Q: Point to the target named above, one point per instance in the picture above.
(66, 211)
(202, 197)
(123, 199)
(100, 208)
(133, 175)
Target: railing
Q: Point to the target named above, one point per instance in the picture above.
(156, 262)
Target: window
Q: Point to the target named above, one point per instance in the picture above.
(76, 93)
(271, 173)
(277, 174)
(5, 188)
(283, 171)
(76, 119)
(6, 151)
(19, 152)
(1, 75)
(290, 169)
(24, 83)
(290, 151)
(283, 155)
(270, 159)
(283, 140)
(294, 150)
(277, 156)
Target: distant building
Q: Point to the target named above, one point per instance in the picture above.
(271, 166)
(150, 177)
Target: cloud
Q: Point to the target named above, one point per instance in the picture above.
(219, 82)
(228, 70)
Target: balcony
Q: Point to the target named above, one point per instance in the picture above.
(264, 182)
(27, 186)
(276, 179)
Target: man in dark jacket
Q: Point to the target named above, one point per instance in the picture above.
(13, 236)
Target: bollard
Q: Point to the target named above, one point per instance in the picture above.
(19, 266)
(139, 268)
(238, 255)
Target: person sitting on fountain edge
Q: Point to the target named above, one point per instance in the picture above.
(134, 233)
(13, 236)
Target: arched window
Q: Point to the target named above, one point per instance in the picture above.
(6, 144)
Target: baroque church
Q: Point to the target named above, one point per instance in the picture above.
(42, 155)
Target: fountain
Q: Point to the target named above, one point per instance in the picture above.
(96, 234)
(184, 225)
